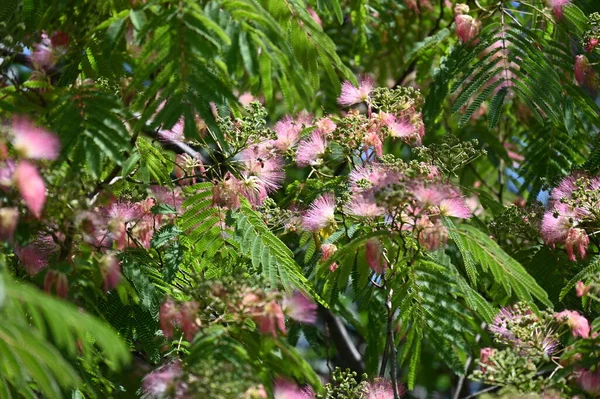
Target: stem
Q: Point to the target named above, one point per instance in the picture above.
(392, 343)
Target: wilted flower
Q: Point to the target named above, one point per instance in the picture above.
(33, 142)
(580, 327)
(576, 240)
(169, 317)
(327, 250)
(584, 72)
(31, 186)
(9, 217)
(484, 356)
(320, 215)
(581, 289)
(284, 389)
(46, 53)
(189, 314)
(591, 44)
(300, 308)
(432, 235)
(374, 255)
(353, 95)
(226, 192)
(311, 150)
(58, 281)
(110, 268)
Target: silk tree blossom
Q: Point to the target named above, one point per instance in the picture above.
(226, 192)
(467, 27)
(285, 389)
(46, 53)
(589, 381)
(58, 281)
(455, 207)
(581, 289)
(163, 382)
(382, 389)
(36, 255)
(176, 133)
(110, 268)
(321, 214)
(325, 126)
(300, 308)
(432, 234)
(576, 242)
(364, 205)
(271, 319)
(557, 7)
(584, 72)
(33, 142)
(311, 151)
(327, 250)
(353, 95)
(374, 256)
(579, 325)
(260, 175)
(288, 133)
(31, 186)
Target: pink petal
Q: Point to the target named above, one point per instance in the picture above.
(31, 186)
(33, 142)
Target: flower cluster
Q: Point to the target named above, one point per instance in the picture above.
(467, 27)
(572, 213)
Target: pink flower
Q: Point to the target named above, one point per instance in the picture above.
(583, 70)
(321, 214)
(188, 166)
(272, 319)
(7, 172)
(374, 255)
(327, 250)
(579, 325)
(381, 389)
(577, 239)
(189, 314)
(288, 132)
(9, 217)
(173, 134)
(45, 54)
(36, 255)
(169, 317)
(110, 268)
(226, 193)
(455, 207)
(582, 289)
(591, 44)
(467, 27)
(284, 389)
(431, 235)
(300, 308)
(353, 95)
(589, 381)
(364, 205)
(556, 224)
(557, 7)
(484, 356)
(314, 16)
(325, 126)
(57, 280)
(372, 139)
(33, 142)
(31, 186)
(162, 382)
(260, 176)
(311, 151)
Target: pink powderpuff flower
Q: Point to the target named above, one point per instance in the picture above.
(288, 133)
(556, 224)
(173, 134)
(110, 268)
(321, 214)
(311, 150)
(284, 389)
(300, 308)
(188, 166)
(581, 289)
(353, 95)
(589, 381)
(9, 218)
(35, 256)
(467, 27)
(382, 389)
(189, 314)
(431, 235)
(576, 240)
(31, 186)
(266, 172)
(271, 320)
(455, 207)
(226, 193)
(325, 126)
(364, 205)
(374, 255)
(584, 72)
(162, 382)
(372, 139)
(557, 7)
(57, 280)
(169, 317)
(33, 142)
(579, 325)
(42, 55)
